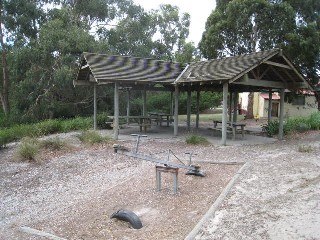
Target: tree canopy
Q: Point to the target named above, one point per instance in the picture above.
(243, 26)
(41, 42)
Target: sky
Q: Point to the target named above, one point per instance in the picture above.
(199, 11)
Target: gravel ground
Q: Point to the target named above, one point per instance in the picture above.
(73, 193)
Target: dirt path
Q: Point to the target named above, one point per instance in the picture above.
(277, 198)
(73, 194)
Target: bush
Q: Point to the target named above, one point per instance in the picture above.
(93, 137)
(28, 150)
(314, 121)
(53, 144)
(48, 127)
(6, 136)
(271, 128)
(77, 123)
(196, 140)
(102, 118)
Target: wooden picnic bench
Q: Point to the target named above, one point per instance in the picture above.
(142, 121)
(231, 127)
(161, 118)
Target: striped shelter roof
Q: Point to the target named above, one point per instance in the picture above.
(254, 71)
(257, 71)
(103, 69)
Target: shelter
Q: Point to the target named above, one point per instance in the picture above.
(266, 70)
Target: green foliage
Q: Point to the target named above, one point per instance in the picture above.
(102, 118)
(244, 26)
(92, 137)
(271, 128)
(28, 150)
(314, 121)
(161, 102)
(293, 124)
(48, 127)
(78, 123)
(196, 140)
(20, 131)
(53, 144)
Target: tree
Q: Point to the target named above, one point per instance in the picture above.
(243, 26)
(173, 31)
(19, 22)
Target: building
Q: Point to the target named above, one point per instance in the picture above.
(295, 105)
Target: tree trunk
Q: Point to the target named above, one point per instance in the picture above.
(250, 106)
(4, 95)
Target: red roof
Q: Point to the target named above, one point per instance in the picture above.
(266, 96)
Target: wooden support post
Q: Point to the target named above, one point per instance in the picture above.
(94, 106)
(189, 108)
(144, 106)
(174, 171)
(176, 109)
(230, 106)
(171, 103)
(198, 108)
(128, 105)
(116, 111)
(225, 114)
(281, 117)
(235, 107)
(270, 106)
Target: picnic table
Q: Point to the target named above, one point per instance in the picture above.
(161, 117)
(233, 126)
(143, 121)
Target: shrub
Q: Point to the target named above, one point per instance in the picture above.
(53, 144)
(28, 150)
(6, 136)
(305, 148)
(271, 128)
(93, 137)
(77, 123)
(196, 140)
(48, 127)
(102, 118)
(314, 121)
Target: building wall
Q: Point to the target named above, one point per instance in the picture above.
(301, 110)
(260, 106)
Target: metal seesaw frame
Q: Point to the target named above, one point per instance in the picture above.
(192, 169)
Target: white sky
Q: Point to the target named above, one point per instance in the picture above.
(199, 11)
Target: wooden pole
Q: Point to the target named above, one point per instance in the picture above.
(128, 105)
(281, 117)
(144, 106)
(188, 108)
(198, 108)
(116, 111)
(235, 107)
(225, 114)
(95, 106)
(176, 109)
(270, 106)
(230, 107)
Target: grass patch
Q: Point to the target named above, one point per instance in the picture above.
(196, 140)
(43, 128)
(305, 148)
(92, 137)
(28, 150)
(53, 144)
(294, 124)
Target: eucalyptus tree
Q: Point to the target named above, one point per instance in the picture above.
(172, 31)
(19, 22)
(243, 26)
